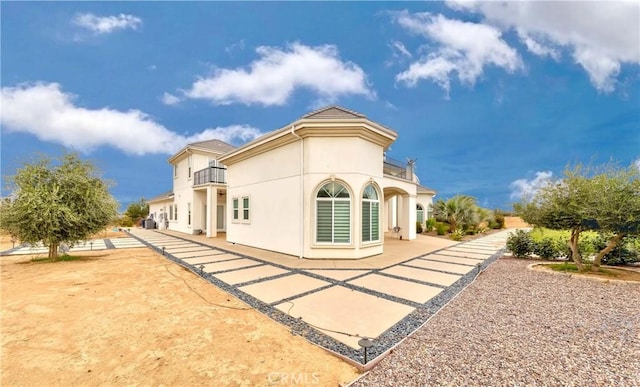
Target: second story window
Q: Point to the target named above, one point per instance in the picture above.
(189, 161)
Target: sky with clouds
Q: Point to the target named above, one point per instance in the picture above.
(491, 98)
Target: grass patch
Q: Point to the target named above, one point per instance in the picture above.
(539, 233)
(61, 258)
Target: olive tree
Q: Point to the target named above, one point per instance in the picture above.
(57, 201)
(605, 199)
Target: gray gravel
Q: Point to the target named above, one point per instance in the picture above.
(518, 327)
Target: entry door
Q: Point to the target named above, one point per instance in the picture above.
(220, 217)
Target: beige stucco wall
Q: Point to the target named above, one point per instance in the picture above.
(282, 206)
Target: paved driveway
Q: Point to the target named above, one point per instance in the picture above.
(336, 303)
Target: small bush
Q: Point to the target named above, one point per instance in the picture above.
(431, 224)
(498, 217)
(125, 221)
(482, 229)
(547, 248)
(418, 228)
(441, 228)
(457, 234)
(494, 225)
(624, 253)
(520, 244)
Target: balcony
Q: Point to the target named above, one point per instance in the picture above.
(395, 168)
(210, 175)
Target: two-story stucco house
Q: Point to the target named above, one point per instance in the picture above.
(320, 187)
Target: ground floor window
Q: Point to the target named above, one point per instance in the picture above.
(235, 209)
(333, 214)
(419, 213)
(370, 214)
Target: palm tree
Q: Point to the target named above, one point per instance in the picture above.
(459, 211)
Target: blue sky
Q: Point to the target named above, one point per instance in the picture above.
(491, 98)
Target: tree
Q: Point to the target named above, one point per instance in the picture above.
(57, 202)
(459, 211)
(616, 207)
(606, 199)
(138, 210)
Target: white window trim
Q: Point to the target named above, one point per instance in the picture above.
(369, 201)
(240, 219)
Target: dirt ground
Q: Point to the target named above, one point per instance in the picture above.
(130, 317)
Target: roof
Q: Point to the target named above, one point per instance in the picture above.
(328, 121)
(423, 189)
(214, 144)
(164, 196)
(333, 112)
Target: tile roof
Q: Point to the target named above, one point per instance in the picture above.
(333, 112)
(215, 145)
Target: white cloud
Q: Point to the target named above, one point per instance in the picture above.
(170, 99)
(106, 24)
(272, 79)
(538, 48)
(461, 47)
(601, 36)
(50, 114)
(526, 189)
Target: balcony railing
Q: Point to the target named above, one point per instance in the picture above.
(210, 175)
(394, 168)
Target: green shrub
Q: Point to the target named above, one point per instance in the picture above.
(498, 217)
(457, 234)
(441, 228)
(125, 221)
(493, 224)
(520, 244)
(431, 224)
(624, 253)
(547, 248)
(418, 228)
(482, 229)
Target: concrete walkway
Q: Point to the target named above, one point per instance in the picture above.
(335, 303)
(93, 244)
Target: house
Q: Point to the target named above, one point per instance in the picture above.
(320, 187)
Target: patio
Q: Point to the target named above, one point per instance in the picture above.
(336, 303)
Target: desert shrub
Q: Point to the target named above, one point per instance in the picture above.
(457, 234)
(125, 221)
(498, 217)
(493, 224)
(482, 229)
(520, 244)
(441, 228)
(418, 227)
(547, 248)
(624, 253)
(431, 224)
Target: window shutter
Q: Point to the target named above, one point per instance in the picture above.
(342, 222)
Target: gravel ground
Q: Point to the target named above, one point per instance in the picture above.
(519, 327)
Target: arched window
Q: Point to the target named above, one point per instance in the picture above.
(420, 213)
(370, 214)
(333, 214)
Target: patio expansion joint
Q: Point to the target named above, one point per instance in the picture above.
(109, 244)
(413, 280)
(436, 270)
(264, 279)
(233, 269)
(426, 258)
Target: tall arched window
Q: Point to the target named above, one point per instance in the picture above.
(333, 214)
(419, 213)
(370, 214)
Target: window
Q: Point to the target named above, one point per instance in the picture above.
(245, 208)
(333, 214)
(175, 170)
(189, 214)
(189, 166)
(171, 212)
(370, 214)
(175, 212)
(419, 214)
(235, 209)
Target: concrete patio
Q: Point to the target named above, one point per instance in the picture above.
(335, 303)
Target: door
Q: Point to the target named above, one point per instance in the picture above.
(220, 217)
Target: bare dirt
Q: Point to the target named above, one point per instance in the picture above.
(606, 273)
(130, 317)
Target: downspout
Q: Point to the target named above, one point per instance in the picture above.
(293, 132)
